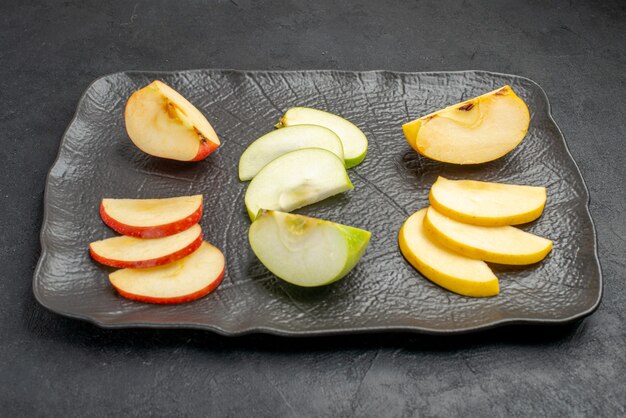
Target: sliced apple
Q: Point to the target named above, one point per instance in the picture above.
(306, 251)
(296, 179)
(497, 244)
(131, 252)
(161, 122)
(151, 218)
(353, 139)
(471, 132)
(446, 268)
(183, 280)
(487, 204)
(281, 141)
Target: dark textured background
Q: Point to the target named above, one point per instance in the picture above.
(51, 51)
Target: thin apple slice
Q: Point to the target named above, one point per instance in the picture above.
(353, 139)
(161, 122)
(497, 244)
(281, 141)
(306, 251)
(471, 132)
(487, 204)
(151, 218)
(444, 267)
(183, 280)
(131, 252)
(297, 179)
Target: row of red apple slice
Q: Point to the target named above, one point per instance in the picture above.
(162, 255)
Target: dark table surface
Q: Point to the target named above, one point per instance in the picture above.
(49, 365)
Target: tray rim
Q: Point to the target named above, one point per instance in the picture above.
(330, 331)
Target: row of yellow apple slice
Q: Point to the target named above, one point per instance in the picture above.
(468, 224)
(162, 255)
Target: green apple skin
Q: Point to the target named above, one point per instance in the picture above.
(296, 179)
(353, 139)
(357, 240)
(353, 242)
(281, 141)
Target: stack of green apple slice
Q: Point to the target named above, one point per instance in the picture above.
(301, 163)
(306, 251)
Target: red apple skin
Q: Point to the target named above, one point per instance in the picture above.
(180, 299)
(156, 231)
(148, 263)
(206, 147)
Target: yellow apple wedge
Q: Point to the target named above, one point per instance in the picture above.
(496, 244)
(471, 132)
(487, 204)
(161, 122)
(450, 270)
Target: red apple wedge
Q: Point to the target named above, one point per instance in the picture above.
(151, 218)
(183, 280)
(161, 122)
(125, 252)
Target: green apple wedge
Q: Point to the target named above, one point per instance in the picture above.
(306, 251)
(296, 179)
(353, 139)
(281, 141)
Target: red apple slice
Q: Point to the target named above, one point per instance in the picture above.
(151, 218)
(161, 122)
(134, 252)
(183, 280)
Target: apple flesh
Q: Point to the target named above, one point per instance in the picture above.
(131, 252)
(442, 266)
(296, 179)
(151, 218)
(306, 251)
(471, 132)
(353, 139)
(162, 123)
(487, 204)
(497, 244)
(183, 280)
(281, 141)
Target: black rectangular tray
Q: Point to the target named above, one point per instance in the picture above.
(383, 293)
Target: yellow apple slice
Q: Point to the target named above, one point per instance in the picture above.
(163, 123)
(471, 132)
(183, 280)
(151, 218)
(125, 252)
(448, 269)
(487, 204)
(497, 244)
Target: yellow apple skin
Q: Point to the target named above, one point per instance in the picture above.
(496, 244)
(475, 131)
(450, 270)
(487, 204)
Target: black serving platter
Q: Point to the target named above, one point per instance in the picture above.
(383, 293)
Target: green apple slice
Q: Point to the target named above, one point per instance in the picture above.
(281, 141)
(306, 251)
(297, 179)
(353, 140)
